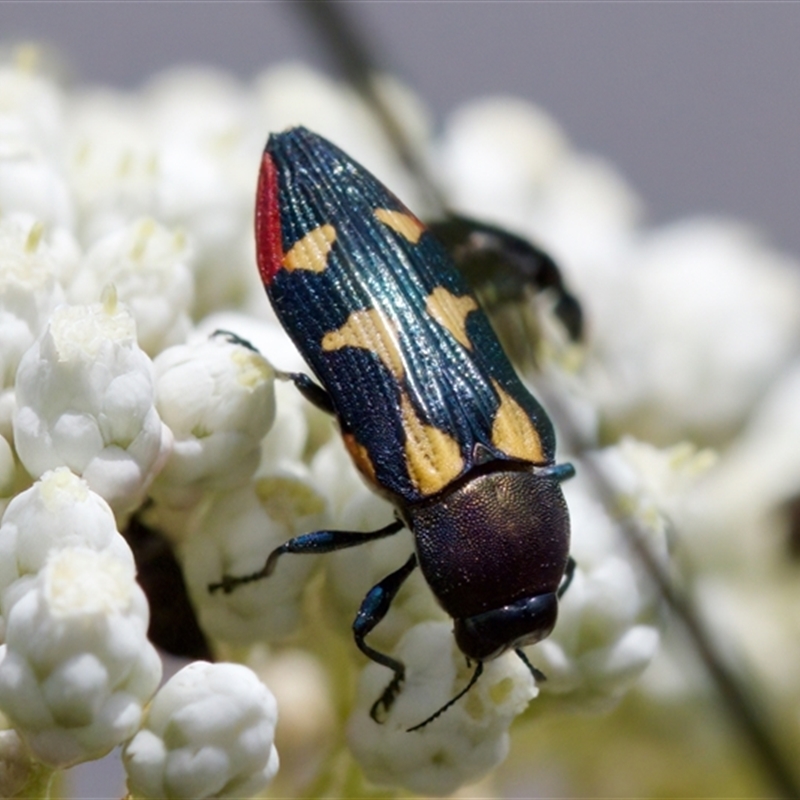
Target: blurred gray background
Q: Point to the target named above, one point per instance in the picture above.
(697, 103)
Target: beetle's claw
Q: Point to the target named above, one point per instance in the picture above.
(381, 707)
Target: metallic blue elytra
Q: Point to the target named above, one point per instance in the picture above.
(429, 406)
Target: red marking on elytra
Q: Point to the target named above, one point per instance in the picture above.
(269, 244)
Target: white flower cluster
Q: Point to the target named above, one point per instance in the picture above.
(129, 388)
(208, 733)
(97, 277)
(460, 746)
(85, 400)
(76, 666)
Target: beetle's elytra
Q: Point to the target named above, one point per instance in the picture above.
(429, 406)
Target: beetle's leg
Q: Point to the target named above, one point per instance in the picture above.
(234, 338)
(569, 574)
(560, 472)
(316, 542)
(373, 609)
(312, 392)
(538, 675)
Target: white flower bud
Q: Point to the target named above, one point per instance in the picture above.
(29, 289)
(32, 107)
(715, 315)
(30, 184)
(498, 155)
(200, 121)
(57, 512)
(113, 163)
(208, 733)
(78, 668)
(235, 538)
(218, 400)
(608, 628)
(265, 334)
(8, 471)
(761, 469)
(17, 768)
(302, 687)
(459, 746)
(288, 439)
(86, 401)
(150, 267)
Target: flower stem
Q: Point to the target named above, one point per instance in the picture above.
(752, 721)
(355, 58)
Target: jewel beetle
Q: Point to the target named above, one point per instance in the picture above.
(428, 405)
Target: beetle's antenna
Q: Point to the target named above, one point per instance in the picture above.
(538, 675)
(472, 681)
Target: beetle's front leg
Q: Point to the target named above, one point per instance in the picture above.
(316, 542)
(569, 574)
(373, 609)
(234, 338)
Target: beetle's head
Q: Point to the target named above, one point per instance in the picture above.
(494, 551)
(490, 634)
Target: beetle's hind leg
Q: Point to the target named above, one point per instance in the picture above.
(316, 542)
(373, 609)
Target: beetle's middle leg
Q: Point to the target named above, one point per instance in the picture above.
(373, 609)
(312, 391)
(316, 542)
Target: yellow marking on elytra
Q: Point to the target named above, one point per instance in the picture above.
(311, 252)
(369, 330)
(451, 311)
(407, 225)
(513, 432)
(360, 456)
(433, 457)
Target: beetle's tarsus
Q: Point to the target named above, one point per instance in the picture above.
(386, 700)
(234, 338)
(230, 582)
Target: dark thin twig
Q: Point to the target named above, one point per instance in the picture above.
(753, 723)
(355, 59)
(359, 65)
